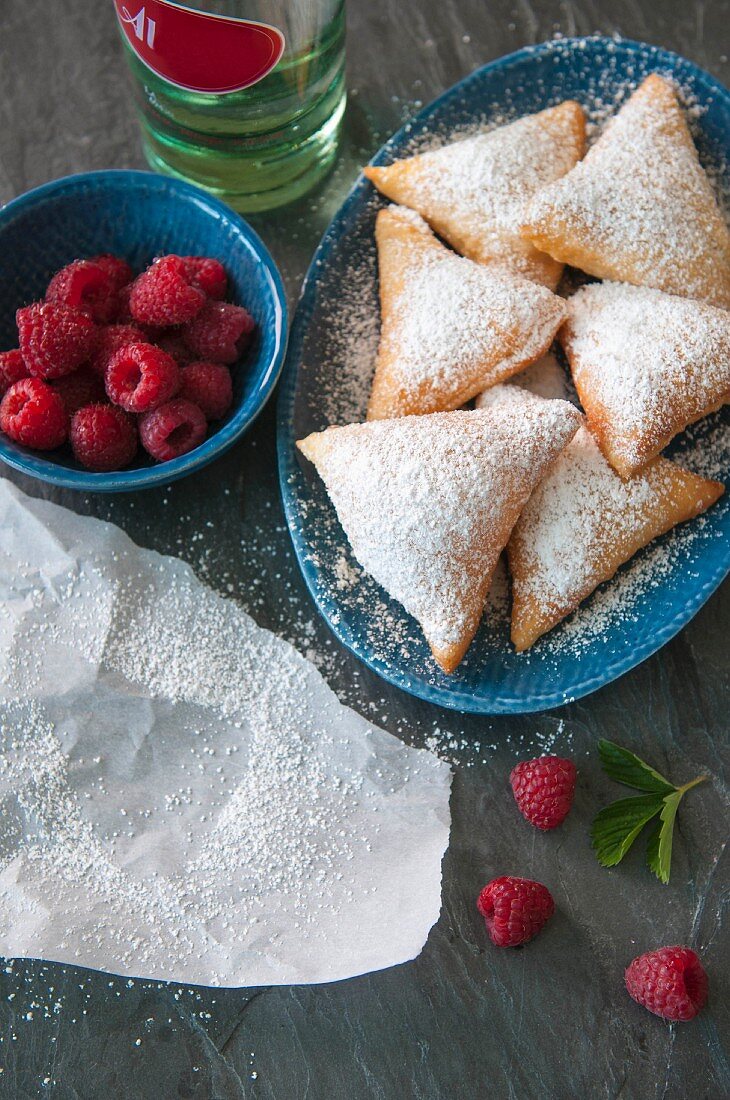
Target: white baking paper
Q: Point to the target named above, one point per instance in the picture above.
(181, 795)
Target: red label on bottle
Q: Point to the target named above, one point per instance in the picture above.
(196, 50)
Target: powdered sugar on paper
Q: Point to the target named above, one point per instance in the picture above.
(183, 796)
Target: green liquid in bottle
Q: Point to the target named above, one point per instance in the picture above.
(258, 148)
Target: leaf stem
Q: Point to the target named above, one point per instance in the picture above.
(692, 783)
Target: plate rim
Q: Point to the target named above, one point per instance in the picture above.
(461, 701)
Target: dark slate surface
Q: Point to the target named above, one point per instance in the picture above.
(464, 1020)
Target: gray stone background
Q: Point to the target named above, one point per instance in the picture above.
(464, 1020)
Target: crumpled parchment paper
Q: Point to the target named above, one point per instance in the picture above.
(182, 796)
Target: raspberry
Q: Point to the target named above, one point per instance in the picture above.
(670, 982)
(162, 295)
(172, 430)
(118, 270)
(12, 369)
(110, 340)
(208, 385)
(123, 315)
(83, 387)
(103, 437)
(84, 286)
(54, 339)
(514, 909)
(139, 377)
(173, 343)
(207, 275)
(544, 789)
(32, 414)
(220, 333)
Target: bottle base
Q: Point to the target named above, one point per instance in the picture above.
(251, 185)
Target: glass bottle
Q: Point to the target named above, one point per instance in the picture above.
(243, 97)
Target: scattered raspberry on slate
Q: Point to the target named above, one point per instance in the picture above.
(670, 982)
(220, 333)
(515, 909)
(207, 275)
(103, 437)
(85, 286)
(83, 387)
(54, 339)
(33, 414)
(110, 339)
(209, 386)
(12, 369)
(173, 429)
(139, 377)
(118, 270)
(163, 295)
(544, 789)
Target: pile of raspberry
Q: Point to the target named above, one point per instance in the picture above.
(109, 362)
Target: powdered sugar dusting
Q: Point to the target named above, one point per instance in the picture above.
(645, 364)
(545, 378)
(474, 191)
(427, 503)
(375, 625)
(452, 327)
(582, 508)
(182, 783)
(639, 206)
(487, 178)
(563, 528)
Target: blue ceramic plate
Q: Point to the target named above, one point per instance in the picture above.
(139, 215)
(326, 379)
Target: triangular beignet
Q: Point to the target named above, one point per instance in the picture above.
(474, 192)
(428, 503)
(639, 207)
(583, 522)
(645, 365)
(450, 328)
(544, 378)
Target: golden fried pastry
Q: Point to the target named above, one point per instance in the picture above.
(639, 208)
(428, 503)
(449, 327)
(645, 365)
(474, 192)
(583, 522)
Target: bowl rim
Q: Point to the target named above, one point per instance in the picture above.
(268, 372)
(455, 698)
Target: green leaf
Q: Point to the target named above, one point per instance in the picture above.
(617, 826)
(623, 766)
(659, 847)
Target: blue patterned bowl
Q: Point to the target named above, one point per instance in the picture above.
(631, 616)
(139, 215)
